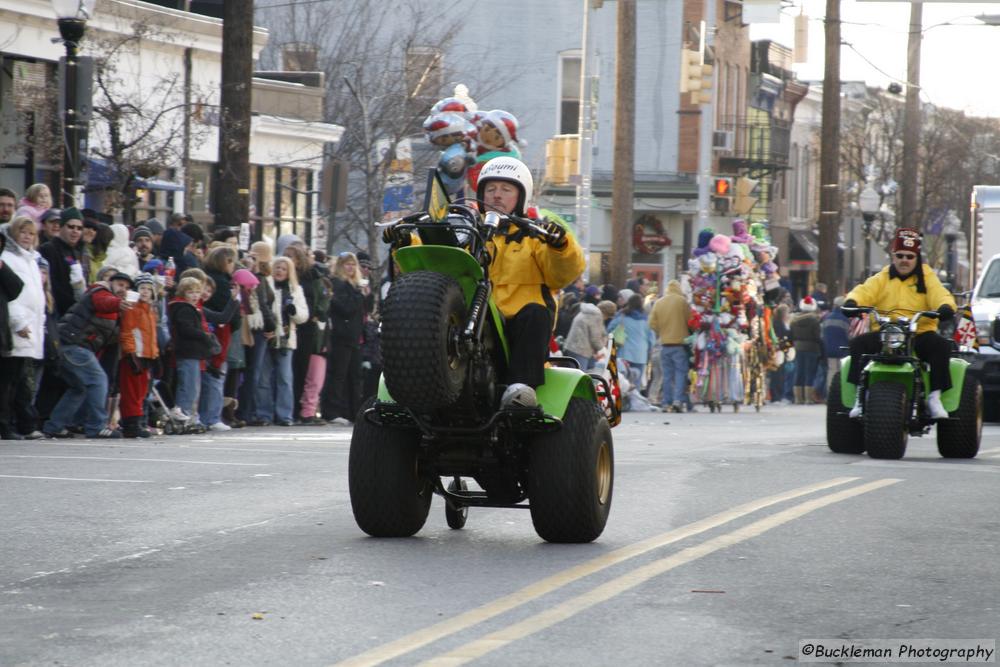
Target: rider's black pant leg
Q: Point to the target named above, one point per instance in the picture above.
(528, 334)
(869, 343)
(936, 351)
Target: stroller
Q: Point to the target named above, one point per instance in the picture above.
(161, 417)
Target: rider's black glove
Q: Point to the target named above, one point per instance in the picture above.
(555, 234)
(851, 303)
(398, 238)
(945, 313)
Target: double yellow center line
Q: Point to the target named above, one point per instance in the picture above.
(613, 587)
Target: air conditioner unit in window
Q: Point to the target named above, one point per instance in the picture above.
(722, 140)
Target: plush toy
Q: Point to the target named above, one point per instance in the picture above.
(704, 236)
(495, 136)
(740, 234)
(449, 130)
(720, 244)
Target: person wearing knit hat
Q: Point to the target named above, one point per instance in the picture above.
(71, 213)
(906, 286)
(808, 342)
(138, 342)
(592, 294)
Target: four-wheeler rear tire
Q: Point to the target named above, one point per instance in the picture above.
(885, 421)
(958, 437)
(421, 317)
(843, 434)
(455, 514)
(388, 497)
(571, 476)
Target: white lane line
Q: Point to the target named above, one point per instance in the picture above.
(82, 479)
(162, 446)
(993, 450)
(166, 546)
(116, 458)
(138, 554)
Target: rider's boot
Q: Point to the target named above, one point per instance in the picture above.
(856, 410)
(934, 407)
(518, 395)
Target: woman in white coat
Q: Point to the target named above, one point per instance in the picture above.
(27, 329)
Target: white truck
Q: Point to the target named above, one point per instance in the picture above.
(984, 261)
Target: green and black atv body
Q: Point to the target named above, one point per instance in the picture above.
(437, 423)
(894, 385)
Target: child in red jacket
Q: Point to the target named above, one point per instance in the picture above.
(139, 353)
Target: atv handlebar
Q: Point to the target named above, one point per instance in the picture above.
(492, 220)
(883, 317)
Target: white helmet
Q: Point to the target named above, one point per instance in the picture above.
(508, 169)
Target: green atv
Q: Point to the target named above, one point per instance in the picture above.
(436, 423)
(894, 384)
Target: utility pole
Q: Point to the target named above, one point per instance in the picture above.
(911, 120)
(585, 159)
(232, 200)
(623, 187)
(706, 125)
(829, 176)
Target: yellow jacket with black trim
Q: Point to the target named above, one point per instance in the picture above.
(886, 292)
(527, 270)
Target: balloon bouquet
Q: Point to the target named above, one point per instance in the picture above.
(468, 138)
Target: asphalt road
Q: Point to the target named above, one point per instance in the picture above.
(732, 537)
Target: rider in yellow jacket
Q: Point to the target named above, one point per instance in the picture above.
(525, 273)
(910, 286)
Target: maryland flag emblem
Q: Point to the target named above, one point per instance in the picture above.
(965, 329)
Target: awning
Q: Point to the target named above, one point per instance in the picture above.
(101, 175)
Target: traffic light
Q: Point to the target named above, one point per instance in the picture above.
(690, 70)
(704, 93)
(722, 194)
(746, 195)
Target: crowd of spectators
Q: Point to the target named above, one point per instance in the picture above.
(114, 331)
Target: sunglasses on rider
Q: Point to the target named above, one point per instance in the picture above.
(905, 255)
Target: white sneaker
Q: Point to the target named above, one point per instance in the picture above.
(340, 421)
(934, 406)
(220, 426)
(178, 414)
(856, 410)
(519, 395)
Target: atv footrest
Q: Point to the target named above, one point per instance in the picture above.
(477, 499)
(390, 415)
(533, 420)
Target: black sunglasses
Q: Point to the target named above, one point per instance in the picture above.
(905, 255)
(77, 227)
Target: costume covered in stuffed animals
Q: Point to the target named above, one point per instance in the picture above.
(731, 340)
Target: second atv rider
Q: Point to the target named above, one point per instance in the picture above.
(910, 285)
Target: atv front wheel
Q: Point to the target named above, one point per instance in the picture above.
(571, 476)
(958, 437)
(421, 318)
(885, 421)
(843, 434)
(388, 497)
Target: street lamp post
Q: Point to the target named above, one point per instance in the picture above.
(72, 16)
(868, 202)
